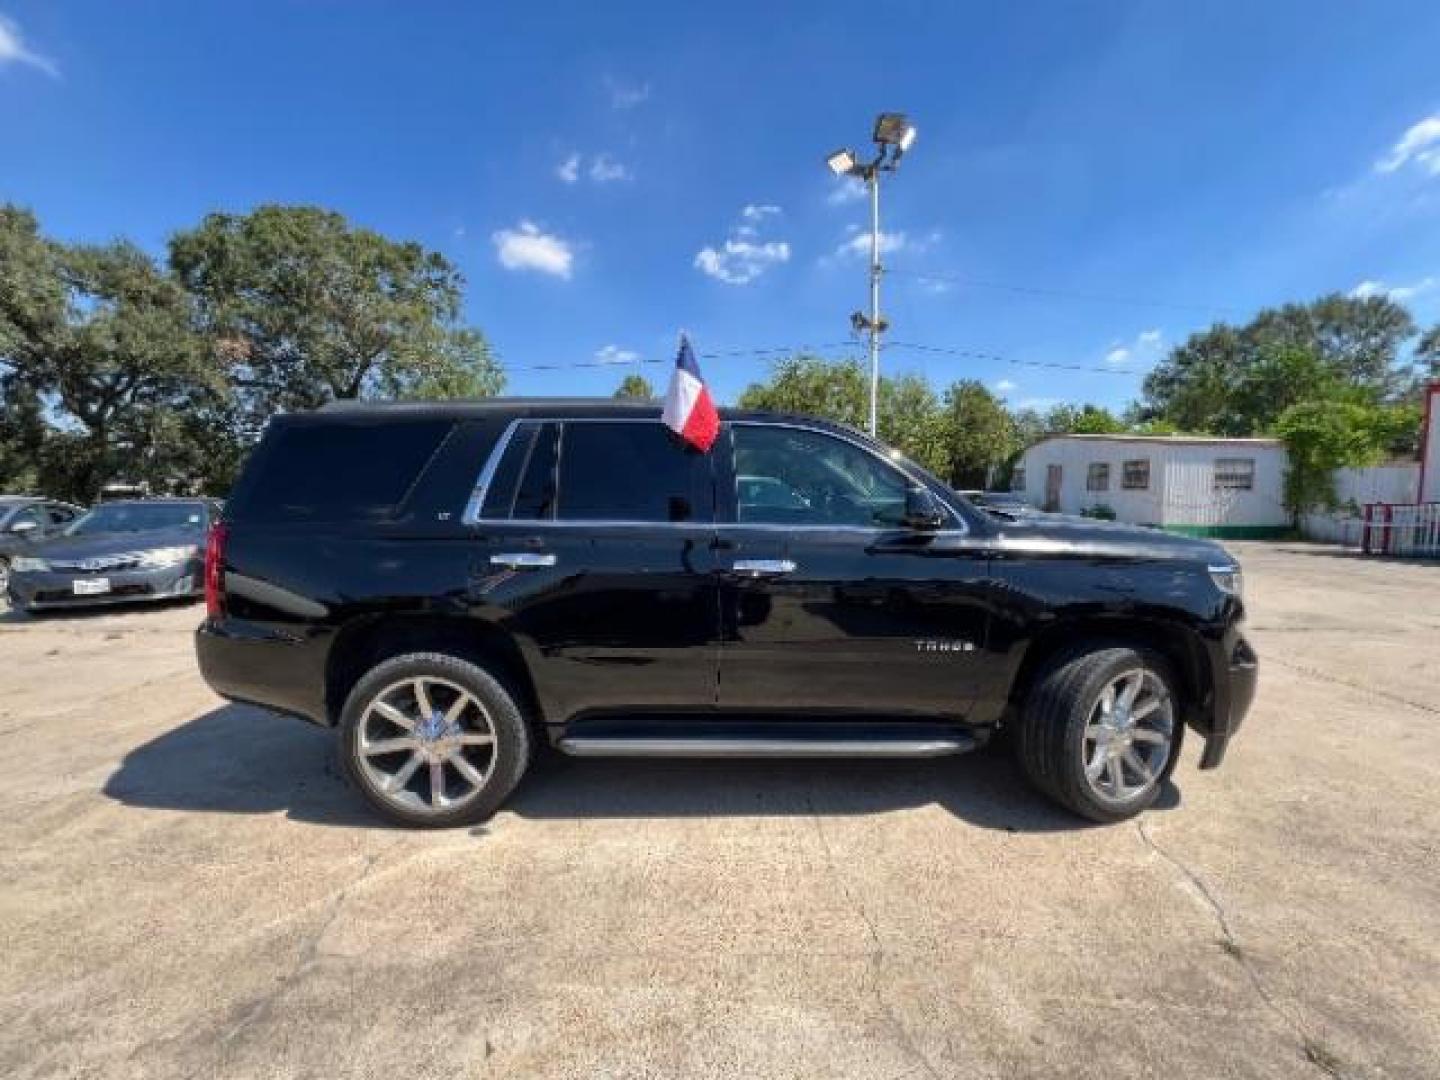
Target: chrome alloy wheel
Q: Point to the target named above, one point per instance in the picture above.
(426, 744)
(1128, 736)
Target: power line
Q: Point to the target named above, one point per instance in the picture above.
(973, 354)
(790, 350)
(1064, 294)
(720, 354)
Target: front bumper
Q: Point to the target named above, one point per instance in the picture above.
(42, 590)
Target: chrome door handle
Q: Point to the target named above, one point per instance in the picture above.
(522, 560)
(763, 567)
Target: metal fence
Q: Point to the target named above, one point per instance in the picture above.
(1401, 529)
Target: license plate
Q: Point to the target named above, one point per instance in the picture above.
(91, 586)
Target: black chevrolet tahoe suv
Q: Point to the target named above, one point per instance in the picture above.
(450, 584)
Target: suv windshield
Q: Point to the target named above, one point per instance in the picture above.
(139, 517)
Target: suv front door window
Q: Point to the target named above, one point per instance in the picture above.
(793, 476)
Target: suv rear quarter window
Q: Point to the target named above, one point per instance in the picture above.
(337, 472)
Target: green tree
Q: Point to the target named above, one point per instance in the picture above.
(302, 308)
(912, 421)
(981, 434)
(909, 412)
(834, 390)
(1238, 380)
(1428, 351)
(1350, 429)
(1084, 419)
(635, 386)
(98, 350)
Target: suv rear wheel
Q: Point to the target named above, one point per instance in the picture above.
(1101, 731)
(433, 740)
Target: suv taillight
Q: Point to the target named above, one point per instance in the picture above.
(214, 561)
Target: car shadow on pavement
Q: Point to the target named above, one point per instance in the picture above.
(238, 759)
(243, 760)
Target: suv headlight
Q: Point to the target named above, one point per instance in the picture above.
(167, 556)
(1228, 579)
(24, 564)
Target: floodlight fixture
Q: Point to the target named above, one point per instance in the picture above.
(894, 129)
(841, 162)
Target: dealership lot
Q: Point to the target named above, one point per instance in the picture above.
(187, 888)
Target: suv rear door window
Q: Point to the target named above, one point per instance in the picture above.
(523, 487)
(631, 471)
(339, 472)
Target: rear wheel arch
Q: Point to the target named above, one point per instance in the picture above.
(362, 644)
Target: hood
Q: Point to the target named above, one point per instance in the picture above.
(91, 545)
(1087, 536)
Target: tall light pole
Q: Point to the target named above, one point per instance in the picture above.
(893, 136)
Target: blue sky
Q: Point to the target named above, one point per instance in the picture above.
(1092, 181)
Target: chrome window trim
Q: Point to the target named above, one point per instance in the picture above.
(487, 474)
(492, 465)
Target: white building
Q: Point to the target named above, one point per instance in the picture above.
(1190, 484)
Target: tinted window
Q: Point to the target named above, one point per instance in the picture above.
(631, 472)
(789, 476)
(336, 472)
(59, 515)
(523, 486)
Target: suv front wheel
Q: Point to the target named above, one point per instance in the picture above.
(1100, 731)
(433, 740)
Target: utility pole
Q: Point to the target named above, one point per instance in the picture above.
(893, 135)
(872, 181)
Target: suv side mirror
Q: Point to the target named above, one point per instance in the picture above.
(922, 512)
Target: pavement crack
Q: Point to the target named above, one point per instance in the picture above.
(310, 955)
(877, 954)
(1334, 680)
(1311, 1048)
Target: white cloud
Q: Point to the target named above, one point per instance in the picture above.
(744, 256)
(13, 50)
(1004, 386)
(1144, 348)
(604, 169)
(846, 190)
(614, 354)
(1398, 293)
(1420, 144)
(739, 262)
(526, 247)
(859, 244)
(626, 95)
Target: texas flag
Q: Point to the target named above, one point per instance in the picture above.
(689, 409)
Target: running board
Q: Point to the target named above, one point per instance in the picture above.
(759, 747)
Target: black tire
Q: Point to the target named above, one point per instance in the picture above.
(512, 739)
(1049, 734)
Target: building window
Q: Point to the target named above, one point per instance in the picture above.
(1135, 475)
(1017, 480)
(1234, 474)
(1097, 478)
